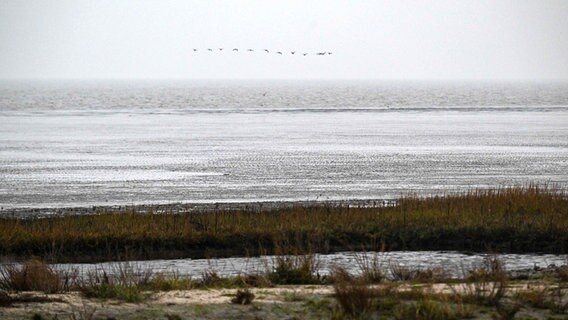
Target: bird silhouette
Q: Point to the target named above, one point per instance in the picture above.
(323, 53)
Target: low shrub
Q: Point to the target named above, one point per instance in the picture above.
(485, 284)
(338, 274)
(126, 282)
(371, 266)
(400, 272)
(211, 278)
(353, 295)
(294, 269)
(243, 296)
(35, 275)
(353, 298)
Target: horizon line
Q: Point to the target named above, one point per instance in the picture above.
(5, 79)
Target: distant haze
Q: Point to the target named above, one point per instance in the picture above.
(369, 39)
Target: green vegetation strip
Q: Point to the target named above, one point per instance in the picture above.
(521, 219)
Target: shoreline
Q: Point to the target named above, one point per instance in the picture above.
(193, 207)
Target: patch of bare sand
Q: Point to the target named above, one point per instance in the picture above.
(271, 303)
(218, 296)
(199, 302)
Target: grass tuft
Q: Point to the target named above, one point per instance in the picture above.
(35, 275)
(125, 283)
(295, 269)
(371, 266)
(243, 296)
(485, 284)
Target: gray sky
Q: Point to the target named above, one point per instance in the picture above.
(395, 39)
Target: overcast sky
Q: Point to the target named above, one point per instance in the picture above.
(444, 39)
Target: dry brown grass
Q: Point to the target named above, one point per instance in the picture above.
(353, 297)
(487, 284)
(35, 275)
(554, 298)
(531, 218)
(243, 296)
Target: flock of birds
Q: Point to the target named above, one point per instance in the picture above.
(268, 51)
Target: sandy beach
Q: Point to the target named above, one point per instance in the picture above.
(282, 302)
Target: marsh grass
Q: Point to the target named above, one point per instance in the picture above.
(354, 298)
(371, 266)
(125, 282)
(402, 273)
(290, 269)
(530, 218)
(293, 263)
(254, 280)
(361, 300)
(399, 272)
(486, 284)
(171, 281)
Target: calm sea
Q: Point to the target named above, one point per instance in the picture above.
(83, 143)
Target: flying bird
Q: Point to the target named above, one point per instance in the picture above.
(278, 52)
(321, 53)
(194, 50)
(220, 49)
(305, 54)
(209, 49)
(250, 50)
(235, 49)
(292, 52)
(266, 50)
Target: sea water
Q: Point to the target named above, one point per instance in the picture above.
(449, 263)
(87, 143)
